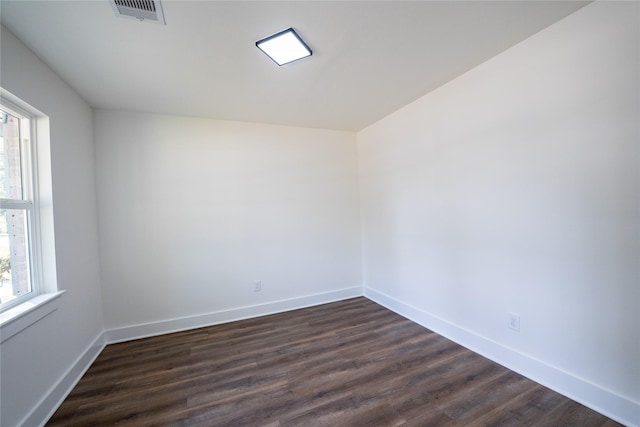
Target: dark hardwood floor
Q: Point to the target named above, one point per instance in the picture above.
(348, 363)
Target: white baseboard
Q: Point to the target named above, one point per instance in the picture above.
(616, 407)
(129, 333)
(56, 395)
(606, 402)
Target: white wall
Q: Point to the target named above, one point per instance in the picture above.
(516, 188)
(512, 188)
(34, 363)
(193, 211)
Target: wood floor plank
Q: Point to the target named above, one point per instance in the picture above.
(349, 363)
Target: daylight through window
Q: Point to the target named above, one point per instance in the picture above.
(16, 208)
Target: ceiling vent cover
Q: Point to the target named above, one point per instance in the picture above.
(142, 10)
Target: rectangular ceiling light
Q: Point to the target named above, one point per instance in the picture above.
(284, 47)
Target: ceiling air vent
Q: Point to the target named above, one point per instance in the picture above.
(142, 10)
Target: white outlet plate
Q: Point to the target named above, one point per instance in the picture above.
(513, 321)
(257, 286)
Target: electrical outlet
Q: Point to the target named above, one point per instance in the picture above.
(513, 321)
(257, 286)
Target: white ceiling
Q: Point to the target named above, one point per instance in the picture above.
(369, 57)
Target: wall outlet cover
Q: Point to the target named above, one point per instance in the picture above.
(513, 321)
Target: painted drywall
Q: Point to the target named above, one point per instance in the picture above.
(36, 361)
(515, 188)
(193, 211)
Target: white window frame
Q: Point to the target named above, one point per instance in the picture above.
(30, 202)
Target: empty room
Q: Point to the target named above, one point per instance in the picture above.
(320, 213)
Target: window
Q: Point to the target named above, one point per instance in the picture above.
(18, 213)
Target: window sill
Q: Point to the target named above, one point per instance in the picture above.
(17, 319)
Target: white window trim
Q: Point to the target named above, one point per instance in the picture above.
(30, 177)
(44, 299)
(20, 317)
